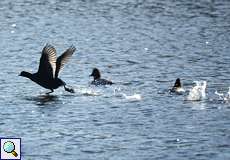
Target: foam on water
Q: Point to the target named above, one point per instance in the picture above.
(142, 53)
(87, 91)
(222, 96)
(119, 92)
(197, 93)
(134, 97)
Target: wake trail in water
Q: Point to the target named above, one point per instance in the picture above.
(87, 91)
(119, 92)
(134, 97)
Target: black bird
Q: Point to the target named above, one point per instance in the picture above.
(177, 87)
(49, 67)
(97, 78)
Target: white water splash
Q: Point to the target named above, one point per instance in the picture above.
(222, 96)
(88, 92)
(134, 97)
(197, 93)
(228, 91)
(14, 25)
(116, 91)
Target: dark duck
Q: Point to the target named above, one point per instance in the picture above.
(177, 88)
(49, 68)
(97, 80)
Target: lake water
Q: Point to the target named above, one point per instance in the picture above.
(142, 46)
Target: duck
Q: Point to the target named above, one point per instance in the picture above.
(49, 68)
(97, 78)
(177, 88)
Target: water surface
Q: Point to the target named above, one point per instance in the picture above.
(143, 46)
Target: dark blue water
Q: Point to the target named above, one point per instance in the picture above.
(143, 46)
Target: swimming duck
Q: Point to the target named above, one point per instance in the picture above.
(97, 78)
(177, 88)
(49, 68)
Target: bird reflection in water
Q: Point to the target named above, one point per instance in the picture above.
(45, 99)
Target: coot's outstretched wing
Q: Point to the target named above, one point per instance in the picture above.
(47, 65)
(61, 60)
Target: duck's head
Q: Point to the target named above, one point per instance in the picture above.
(177, 87)
(96, 73)
(177, 83)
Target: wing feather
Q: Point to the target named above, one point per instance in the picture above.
(64, 58)
(47, 65)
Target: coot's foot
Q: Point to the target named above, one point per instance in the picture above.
(71, 90)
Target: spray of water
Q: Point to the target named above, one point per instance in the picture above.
(118, 92)
(134, 97)
(197, 93)
(222, 96)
